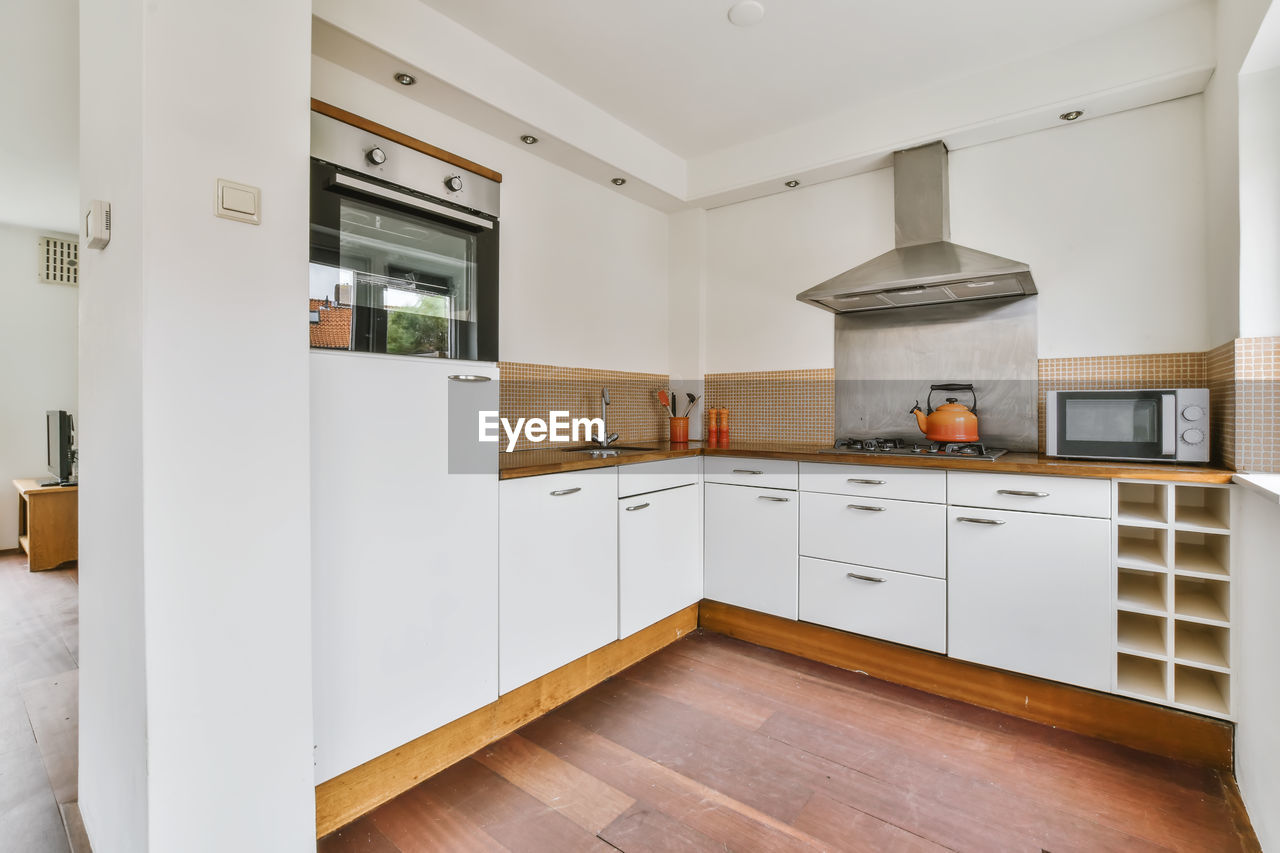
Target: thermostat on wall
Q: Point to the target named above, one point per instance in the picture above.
(97, 224)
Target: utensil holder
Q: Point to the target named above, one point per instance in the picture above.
(679, 430)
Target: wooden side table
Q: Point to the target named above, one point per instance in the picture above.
(48, 523)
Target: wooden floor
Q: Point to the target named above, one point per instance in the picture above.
(714, 744)
(39, 650)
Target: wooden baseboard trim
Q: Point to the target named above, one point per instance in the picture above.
(1239, 814)
(1140, 725)
(344, 798)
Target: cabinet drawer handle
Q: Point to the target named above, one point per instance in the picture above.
(562, 492)
(1021, 493)
(979, 520)
(772, 498)
(746, 471)
(636, 507)
(865, 578)
(469, 377)
(866, 508)
(856, 482)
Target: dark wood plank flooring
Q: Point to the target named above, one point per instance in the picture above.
(39, 649)
(715, 744)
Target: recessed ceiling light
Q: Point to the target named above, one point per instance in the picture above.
(793, 183)
(529, 140)
(406, 79)
(617, 182)
(1071, 116)
(747, 13)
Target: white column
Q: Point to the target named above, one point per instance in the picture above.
(196, 729)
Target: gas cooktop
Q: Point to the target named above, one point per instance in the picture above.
(903, 447)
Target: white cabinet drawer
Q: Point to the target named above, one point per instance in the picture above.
(1031, 493)
(904, 536)
(750, 548)
(892, 606)
(653, 476)
(903, 484)
(764, 473)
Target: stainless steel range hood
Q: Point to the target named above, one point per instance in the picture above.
(926, 268)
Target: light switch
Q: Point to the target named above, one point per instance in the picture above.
(240, 202)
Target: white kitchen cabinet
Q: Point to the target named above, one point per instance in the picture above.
(905, 536)
(875, 481)
(659, 556)
(558, 559)
(758, 473)
(642, 477)
(750, 548)
(404, 556)
(892, 606)
(1030, 493)
(1031, 593)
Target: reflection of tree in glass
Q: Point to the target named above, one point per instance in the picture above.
(419, 329)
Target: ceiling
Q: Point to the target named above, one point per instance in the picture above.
(681, 74)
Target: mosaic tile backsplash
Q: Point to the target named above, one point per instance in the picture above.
(534, 390)
(798, 406)
(1257, 404)
(788, 406)
(1220, 378)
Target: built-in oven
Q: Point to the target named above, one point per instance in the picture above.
(1164, 425)
(404, 249)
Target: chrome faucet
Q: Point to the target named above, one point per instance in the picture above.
(608, 437)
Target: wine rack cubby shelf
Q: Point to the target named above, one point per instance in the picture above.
(1173, 595)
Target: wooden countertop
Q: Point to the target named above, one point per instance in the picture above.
(529, 463)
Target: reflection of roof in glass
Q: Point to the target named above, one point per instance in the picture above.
(334, 329)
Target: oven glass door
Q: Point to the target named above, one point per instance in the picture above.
(387, 278)
(1115, 424)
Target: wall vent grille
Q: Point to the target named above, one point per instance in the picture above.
(59, 261)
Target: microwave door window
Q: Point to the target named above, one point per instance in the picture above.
(1122, 427)
(1113, 420)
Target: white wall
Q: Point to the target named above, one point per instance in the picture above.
(38, 347)
(1237, 25)
(1256, 543)
(686, 281)
(113, 683)
(39, 64)
(761, 253)
(1260, 203)
(196, 726)
(583, 268)
(1108, 213)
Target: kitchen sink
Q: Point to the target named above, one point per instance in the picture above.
(611, 450)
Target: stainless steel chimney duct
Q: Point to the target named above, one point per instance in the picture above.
(926, 268)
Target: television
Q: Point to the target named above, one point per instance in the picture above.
(62, 442)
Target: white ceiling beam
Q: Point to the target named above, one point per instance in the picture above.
(473, 80)
(1167, 57)
(435, 44)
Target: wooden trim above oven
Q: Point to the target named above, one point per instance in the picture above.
(404, 139)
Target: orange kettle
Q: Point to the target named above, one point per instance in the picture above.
(951, 422)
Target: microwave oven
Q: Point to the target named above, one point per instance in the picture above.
(1160, 425)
